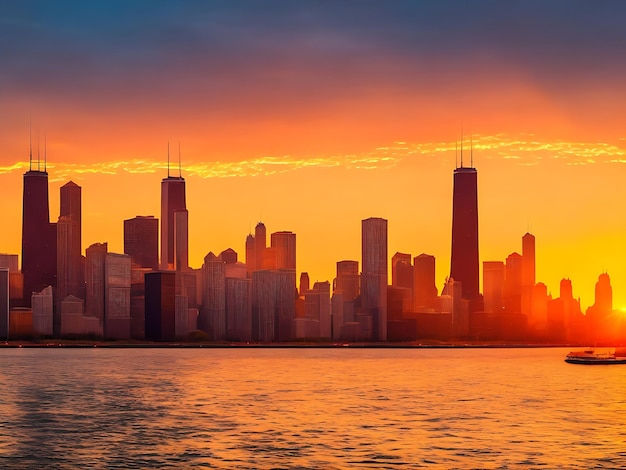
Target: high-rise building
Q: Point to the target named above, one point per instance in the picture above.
(284, 245)
(141, 241)
(70, 272)
(513, 283)
(213, 313)
(401, 270)
(181, 240)
(160, 307)
(304, 283)
(493, 286)
(250, 254)
(173, 200)
(374, 275)
(39, 244)
(464, 265)
(424, 284)
(238, 309)
(260, 244)
(117, 276)
(273, 305)
(95, 261)
(347, 280)
(528, 272)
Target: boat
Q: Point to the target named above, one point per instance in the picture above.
(592, 357)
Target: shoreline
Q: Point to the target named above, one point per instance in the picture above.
(246, 345)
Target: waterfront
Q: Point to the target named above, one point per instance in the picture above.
(311, 408)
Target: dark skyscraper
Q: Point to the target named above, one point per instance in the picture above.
(172, 201)
(374, 275)
(160, 305)
(464, 263)
(141, 241)
(39, 238)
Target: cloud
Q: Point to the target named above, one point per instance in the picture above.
(527, 150)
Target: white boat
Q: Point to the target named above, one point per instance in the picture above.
(592, 357)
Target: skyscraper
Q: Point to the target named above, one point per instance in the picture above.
(160, 305)
(284, 244)
(493, 286)
(260, 244)
(173, 200)
(347, 280)
(464, 262)
(424, 286)
(374, 275)
(39, 244)
(141, 241)
(528, 272)
(70, 273)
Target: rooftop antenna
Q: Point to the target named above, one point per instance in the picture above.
(38, 154)
(45, 151)
(30, 143)
(461, 146)
(168, 158)
(180, 172)
(471, 151)
(456, 154)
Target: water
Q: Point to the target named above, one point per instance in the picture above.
(309, 408)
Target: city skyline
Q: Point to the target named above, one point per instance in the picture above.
(313, 117)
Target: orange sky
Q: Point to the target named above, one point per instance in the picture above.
(313, 119)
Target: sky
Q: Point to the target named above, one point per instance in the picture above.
(313, 115)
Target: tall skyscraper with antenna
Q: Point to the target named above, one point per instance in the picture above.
(464, 265)
(39, 237)
(173, 200)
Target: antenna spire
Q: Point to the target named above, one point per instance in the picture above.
(456, 154)
(168, 158)
(180, 171)
(38, 154)
(471, 151)
(461, 146)
(30, 143)
(45, 151)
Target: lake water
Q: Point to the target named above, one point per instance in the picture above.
(309, 408)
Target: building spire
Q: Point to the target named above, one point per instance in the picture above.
(168, 158)
(45, 151)
(180, 171)
(30, 143)
(471, 151)
(38, 153)
(456, 154)
(461, 146)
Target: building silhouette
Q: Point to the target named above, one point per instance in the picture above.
(374, 275)
(141, 241)
(160, 305)
(464, 265)
(402, 270)
(95, 260)
(528, 273)
(284, 245)
(493, 286)
(424, 284)
(70, 270)
(173, 227)
(39, 236)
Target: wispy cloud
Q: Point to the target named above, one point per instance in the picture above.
(527, 150)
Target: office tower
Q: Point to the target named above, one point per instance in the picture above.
(337, 310)
(304, 283)
(538, 319)
(513, 283)
(39, 244)
(464, 261)
(213, 313)
(95, 255)
(317, 308)
(238, 308)
(284, 245)
(173, 200)
(70, 273)
(347, 280)
(273, 305)
(141, 241)
(603, 304)
(42, 312)
(250, 254)
(260, 244)
(401, 270)
(528, 272)
(374, 274)
(16, 279)
(117, 272)
(493, 286)
(424, 285)
(160, 305)
(4, 303)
